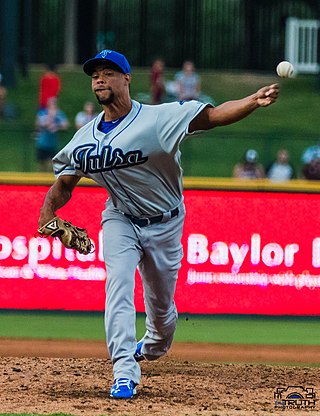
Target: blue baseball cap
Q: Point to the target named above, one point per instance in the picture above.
(116, 61)
(251, 156)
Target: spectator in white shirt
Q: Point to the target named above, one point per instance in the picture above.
(281, 169)
(87, 114)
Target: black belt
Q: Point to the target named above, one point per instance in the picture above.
(143, 222)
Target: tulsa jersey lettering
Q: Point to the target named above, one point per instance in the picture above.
(138, 162)
(88, 162)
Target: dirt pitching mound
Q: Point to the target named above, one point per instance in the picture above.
(172, 386)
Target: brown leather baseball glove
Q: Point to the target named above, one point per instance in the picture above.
(70, 235)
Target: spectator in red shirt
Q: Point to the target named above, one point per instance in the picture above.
(157, 86)
(50, 85)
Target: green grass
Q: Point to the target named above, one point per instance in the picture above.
(291, 123)
(52, 325)
(244, 329)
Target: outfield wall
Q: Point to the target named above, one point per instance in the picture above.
(249, 248)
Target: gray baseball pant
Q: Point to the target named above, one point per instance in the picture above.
(157, 251)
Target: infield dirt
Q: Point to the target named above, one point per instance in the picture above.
(74, 377)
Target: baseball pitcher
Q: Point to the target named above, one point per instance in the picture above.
(132, 150)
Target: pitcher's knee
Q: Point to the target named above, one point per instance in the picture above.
(164, 323)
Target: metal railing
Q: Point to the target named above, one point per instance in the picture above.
(302, 44)
(221, 34)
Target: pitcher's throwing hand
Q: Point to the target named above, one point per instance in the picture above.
(267, 95)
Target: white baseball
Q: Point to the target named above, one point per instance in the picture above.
(285, 69)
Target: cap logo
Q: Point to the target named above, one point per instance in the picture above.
(104, 53)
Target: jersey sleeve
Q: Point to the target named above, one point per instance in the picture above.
(62, 166)
(173, 122)
(63, 163)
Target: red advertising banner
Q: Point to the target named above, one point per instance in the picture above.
(244, 252)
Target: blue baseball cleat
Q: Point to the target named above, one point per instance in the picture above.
(123, 388)
(138, 356)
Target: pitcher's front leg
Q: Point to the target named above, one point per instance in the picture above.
(122, 255)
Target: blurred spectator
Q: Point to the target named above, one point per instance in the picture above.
(311, 153)
(7, 110)
(50, 85)
(157, 86)
(249, 168)
(49, 122)
(311, 162)
(87, 114)
(3, 99)
(188, 82)
(281, 169)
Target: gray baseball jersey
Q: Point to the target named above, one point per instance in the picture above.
(138, 162)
